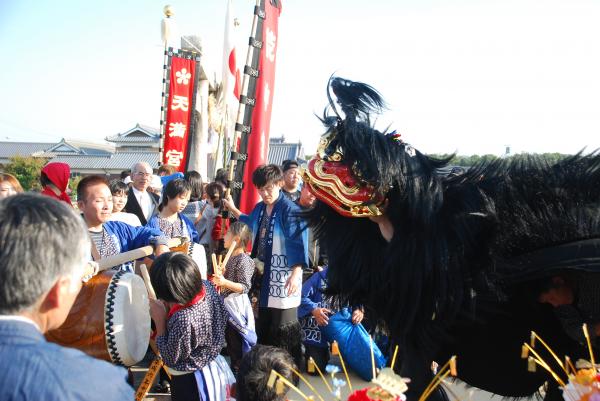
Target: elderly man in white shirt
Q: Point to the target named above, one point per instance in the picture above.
(140, 201)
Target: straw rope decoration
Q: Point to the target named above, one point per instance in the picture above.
(448, 369)
(582, 381)
(310, 386)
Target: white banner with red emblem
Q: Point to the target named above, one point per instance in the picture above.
(179, 106)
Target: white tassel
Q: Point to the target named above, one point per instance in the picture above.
(167, 27)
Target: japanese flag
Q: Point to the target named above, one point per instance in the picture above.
(231, 72)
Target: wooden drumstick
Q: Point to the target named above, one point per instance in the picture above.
(117, 260)
(216, 269)
(228, 255)
(147, 281)
(151, 295)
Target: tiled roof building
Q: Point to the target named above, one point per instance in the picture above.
(123, 150)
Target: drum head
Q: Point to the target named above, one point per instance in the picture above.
(127, 319)
(196, 251)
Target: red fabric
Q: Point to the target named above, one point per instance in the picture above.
(58, 174)
(199, 297)
(218, 232)
(235, 72)
(339, 177)
(176, 131)
(361, 395)
(258, 142)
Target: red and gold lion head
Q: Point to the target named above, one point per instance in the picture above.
(334, 183)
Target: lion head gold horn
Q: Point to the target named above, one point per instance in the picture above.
(333, 183)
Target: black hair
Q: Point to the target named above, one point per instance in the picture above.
(242, 231)
(195, 180)
(255, 370)
(173, 189)
(266, 174)
(288, 164)
(175, 277)
(89, 181)
(118, 187)
(44, 180)
(41, 240)
(212, 189)
(460, 245)
(221, 176)
(125, 174)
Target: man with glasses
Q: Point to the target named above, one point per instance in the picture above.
(278, 245)
(140, 201)
(43, 251)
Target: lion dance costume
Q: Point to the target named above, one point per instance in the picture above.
(457, 274)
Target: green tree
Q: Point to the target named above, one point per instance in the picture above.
(73, 182)
(26, 170)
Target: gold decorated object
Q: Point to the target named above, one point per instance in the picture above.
(524, 352)
(453, 370)
(335, 349)
(531, 364)
(272, 379)
(311, 366)
(334, 184)
(391, 383)
(168, 11)
(279, 387)
(326, 139)
(379, 394)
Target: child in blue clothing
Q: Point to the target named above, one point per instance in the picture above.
(170, 220)
(190, 323)
(173, 223)
(94, 200)
(314, 312)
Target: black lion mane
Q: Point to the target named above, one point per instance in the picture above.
(456, 241)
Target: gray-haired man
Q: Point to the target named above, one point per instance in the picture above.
(140, 201)
(43, 251)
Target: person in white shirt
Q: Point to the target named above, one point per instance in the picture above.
(119, 192)
(140, 201)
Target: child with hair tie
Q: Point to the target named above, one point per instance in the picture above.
(235, 283)
(190, 323)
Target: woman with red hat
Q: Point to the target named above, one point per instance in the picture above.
(55, 179)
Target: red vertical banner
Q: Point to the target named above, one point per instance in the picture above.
(179, 107)
(258, 142)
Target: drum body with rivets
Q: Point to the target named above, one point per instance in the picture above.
(109, 320)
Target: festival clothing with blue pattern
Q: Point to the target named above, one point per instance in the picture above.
(182, 226)
(195, 334)
(283, 249)
(118, 237)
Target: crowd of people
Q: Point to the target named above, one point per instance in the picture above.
(246, 309)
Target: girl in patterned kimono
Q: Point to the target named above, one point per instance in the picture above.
(169, 219)
(235, 283)
(173, 223)
(190, 323)
(279, 247)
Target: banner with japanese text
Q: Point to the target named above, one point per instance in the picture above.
(257, 146)
(179, 108)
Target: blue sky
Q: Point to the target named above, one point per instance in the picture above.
(467, 76)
